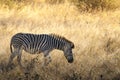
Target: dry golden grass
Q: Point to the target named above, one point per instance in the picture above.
(96, 37)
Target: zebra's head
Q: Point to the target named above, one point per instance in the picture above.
(68, 52)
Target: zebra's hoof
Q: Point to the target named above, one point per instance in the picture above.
(10, 67)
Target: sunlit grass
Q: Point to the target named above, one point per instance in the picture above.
(96, 37)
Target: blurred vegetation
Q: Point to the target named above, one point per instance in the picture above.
(84, 5)
(96, 4)
(54, 1)
(12, 3)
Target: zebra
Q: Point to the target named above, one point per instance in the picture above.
(39, 43)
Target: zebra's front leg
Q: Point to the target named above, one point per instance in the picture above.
(47, 59)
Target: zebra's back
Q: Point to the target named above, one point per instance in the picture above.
(34, 43)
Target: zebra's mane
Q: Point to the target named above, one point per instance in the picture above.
(60, 37)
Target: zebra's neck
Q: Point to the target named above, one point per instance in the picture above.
(60, 44)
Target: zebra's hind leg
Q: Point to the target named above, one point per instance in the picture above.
(19, 58)
(12, 56)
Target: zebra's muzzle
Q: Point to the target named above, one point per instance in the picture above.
(70, 59)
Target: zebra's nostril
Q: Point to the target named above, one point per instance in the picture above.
(70, 59)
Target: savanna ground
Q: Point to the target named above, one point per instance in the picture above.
(96, 35)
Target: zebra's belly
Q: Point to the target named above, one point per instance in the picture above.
(32, 51)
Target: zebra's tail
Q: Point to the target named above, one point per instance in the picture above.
(11, 48)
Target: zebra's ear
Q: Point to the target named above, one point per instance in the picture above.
(72, 45)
